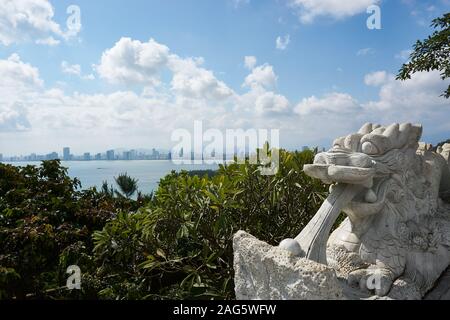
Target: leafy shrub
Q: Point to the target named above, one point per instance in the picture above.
(201, 173)
(180, 245)
(175, 243)
(127, 185)
(46, 224)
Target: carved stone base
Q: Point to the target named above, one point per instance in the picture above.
(265, 272)
(271, 273)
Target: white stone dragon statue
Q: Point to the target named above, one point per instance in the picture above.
(397, 229)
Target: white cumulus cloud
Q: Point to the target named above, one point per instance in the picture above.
(261, 76)
(18, 75)
(377, 78)
(49, 41)
(417, 98)
(18, 85)
(25, 20)
(282, 42)
(332, 103)
(250, 62)
(133, 61)
(75, 69)
(193, 81)
(13, 118)
(308, 10)
(270, 102)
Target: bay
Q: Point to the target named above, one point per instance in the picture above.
(148, 172)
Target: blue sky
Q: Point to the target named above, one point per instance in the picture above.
(332, 75)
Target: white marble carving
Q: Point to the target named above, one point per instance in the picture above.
(397, 232)
(266, 272)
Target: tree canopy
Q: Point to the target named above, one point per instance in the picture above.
(432, 53)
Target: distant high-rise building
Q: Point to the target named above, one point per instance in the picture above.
(1, 157)
(66, 154)
(98, 156)
(155, 154)
(127, 155)
(110, 155)
(51, 156)
(87, 156)
(305, 148)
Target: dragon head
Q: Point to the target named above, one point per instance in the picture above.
(375, 158)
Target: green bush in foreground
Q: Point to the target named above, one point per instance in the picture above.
(180, 245)
(46, 224)
(175, 244)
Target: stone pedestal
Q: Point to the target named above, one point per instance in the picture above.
(264, 272)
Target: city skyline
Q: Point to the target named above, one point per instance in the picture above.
(110, 155)
(125, 154)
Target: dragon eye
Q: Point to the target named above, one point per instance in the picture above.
(369, 148)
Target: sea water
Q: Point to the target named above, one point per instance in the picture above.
(148, 172)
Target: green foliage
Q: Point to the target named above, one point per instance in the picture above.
(432, 53)
(175, 243)
(180, 245)
(200, 173)
(127, 185)
(107, 190)
(46, 224)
